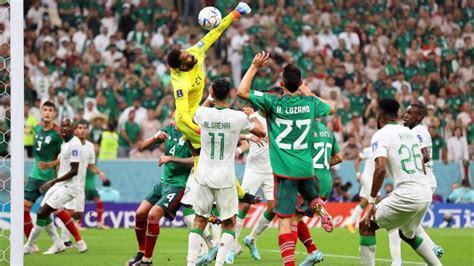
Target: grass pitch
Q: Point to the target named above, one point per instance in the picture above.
(115, 247)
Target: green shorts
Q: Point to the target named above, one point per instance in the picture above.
(166, 196)
(32, 189)
(302, 207)
(286, 194)
(325, 184)
(91, 193)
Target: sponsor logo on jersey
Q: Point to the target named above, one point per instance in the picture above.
(200, 44)
(420, 138)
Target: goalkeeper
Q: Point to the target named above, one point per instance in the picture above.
(188, 80)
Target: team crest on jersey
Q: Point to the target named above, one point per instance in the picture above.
(420, 138)
(200, 44)
(181, 141)
(179, 93)
(375, 145)
(47, 140)
(75, 153)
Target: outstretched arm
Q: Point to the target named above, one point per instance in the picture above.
(97, 171)
(188, 162)
(258, 61)
(159, 137)
(336, 159)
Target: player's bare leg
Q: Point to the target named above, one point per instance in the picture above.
(153, 230)
(44, 221)
(141, 216)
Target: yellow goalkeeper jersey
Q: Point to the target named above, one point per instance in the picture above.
(188, 86)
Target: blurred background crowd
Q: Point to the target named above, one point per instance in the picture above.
(105, 61)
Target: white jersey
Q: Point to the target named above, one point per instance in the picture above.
(369, 162)
(404, 162)
(258, 158)
(424, 138)
(220, 132)
(72, 152)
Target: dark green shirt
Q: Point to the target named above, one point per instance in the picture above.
(47, 146)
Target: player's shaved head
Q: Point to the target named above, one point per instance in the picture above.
(291, 77)
(419, 109)
(388, 107)
(221, 89)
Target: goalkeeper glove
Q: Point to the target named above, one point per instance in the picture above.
(243, 8)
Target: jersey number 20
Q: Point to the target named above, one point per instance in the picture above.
(323, 149)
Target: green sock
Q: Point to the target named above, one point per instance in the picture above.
(241, 214)
(367, 241)
(43, 222)
(188, 211)
(268, 215)
(197, 231)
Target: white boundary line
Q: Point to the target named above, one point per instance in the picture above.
(17, 131)
(350, 257)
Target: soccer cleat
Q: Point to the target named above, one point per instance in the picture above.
(30, 248)
(55, 249)
(249, 198)
(312, 259)
(230, 257)
(102, 226)
(243, 8)
(350, 228)
(141, 263)
(253, 247)
(68, 244)
(136, 258)
(438, 251)
(326, 219)
(215, 220)
(81, 246)
(209, 256)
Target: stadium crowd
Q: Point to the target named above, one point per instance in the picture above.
(105, 61)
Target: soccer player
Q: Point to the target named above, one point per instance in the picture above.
(47, 145)
(365, 180)
(188, 80)
(396, 151)
(412, 119)
(164, 199)
(290, 119)
(68, 185)
(258, 174)
(92, 194)
(215, 176)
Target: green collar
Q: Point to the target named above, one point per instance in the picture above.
(221, 108)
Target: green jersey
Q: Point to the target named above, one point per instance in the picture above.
(47, 145)
(324, 147)
(90, 180)
(438, 145)
(176, 174)
(290, 119)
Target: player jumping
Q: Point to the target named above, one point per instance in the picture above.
(215, 176)
(47, 145)
(164, 199)
(68, 185)
(413, 120)
(396, 151)
(188, 80)
(290, 120)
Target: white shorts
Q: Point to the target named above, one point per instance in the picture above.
(77, 204)
(395, 212)
(253, 180)
(58, 195)
(190, 190)
(226, 201)
(366, 187)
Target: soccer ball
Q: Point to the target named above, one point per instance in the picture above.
(209, 17)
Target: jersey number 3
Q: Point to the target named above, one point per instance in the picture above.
(298, 144)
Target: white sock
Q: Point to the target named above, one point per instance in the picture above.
(65, 235)
(189, 219)
(224, 247)
(216, 231)
(367, 255)
(425, 250)
(194, 245)
(356, 212)
(259, 227)
(420, 231)
(35, 232)
(238, 227)
(395, 243)
(51, 230)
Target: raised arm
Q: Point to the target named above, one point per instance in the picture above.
(304, 90)
(159, 137)
(259, 61)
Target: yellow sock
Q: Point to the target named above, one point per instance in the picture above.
(240, 190)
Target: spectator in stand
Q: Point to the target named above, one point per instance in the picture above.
(439, 149)
(457, 146)
(130, 136)
(463, 194)
(351, 148)
(29, 135)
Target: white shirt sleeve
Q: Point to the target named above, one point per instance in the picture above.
(197, 116)
(75, 155)
(379, 144)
